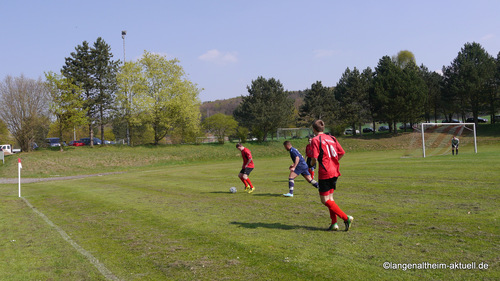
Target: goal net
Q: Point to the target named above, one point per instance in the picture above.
(293, 133)
(433, 139)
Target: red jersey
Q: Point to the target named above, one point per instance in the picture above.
(246, 154)
(309, 150)
(327, 152)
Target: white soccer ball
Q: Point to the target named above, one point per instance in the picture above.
(232, 189)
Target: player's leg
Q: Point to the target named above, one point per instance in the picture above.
(243, 177)
(326, 189)
(291, 184)
(310, 180)
(249, 182)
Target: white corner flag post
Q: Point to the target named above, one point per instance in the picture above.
(19, 167)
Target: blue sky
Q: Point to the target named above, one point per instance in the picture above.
(225, 44)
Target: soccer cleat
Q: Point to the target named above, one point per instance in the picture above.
(288, 194)
(251, 190)
(247, 188)
(333, 227)
(348, 223)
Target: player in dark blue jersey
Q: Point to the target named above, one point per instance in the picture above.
(299, 167)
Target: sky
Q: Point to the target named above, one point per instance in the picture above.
(223, 45)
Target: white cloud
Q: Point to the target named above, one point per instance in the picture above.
(323, 53)
(218, 57)
(488, 36)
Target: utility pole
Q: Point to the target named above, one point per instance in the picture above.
(124, 32)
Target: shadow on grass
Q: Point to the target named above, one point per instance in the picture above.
(253, 194)
(276, 225)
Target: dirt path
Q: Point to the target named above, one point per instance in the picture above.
(31, 180)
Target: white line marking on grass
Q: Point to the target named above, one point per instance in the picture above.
(104, 271)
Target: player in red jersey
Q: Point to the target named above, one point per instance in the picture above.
(327, 152)
(309, 158)
(247, 167)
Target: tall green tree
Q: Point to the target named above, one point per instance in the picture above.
(266, 108)
(387, 87)
(93, 70)
(319, 103)
(352, 93)
(434, 95)
(66, 103)
(414, 92)
(105, 70)
(469, 78)
(220, 125)
(161, 97)
(131, 86)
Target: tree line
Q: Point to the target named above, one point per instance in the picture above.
(396, 91)
(146, 100)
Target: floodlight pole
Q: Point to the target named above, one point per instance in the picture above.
(124, 32)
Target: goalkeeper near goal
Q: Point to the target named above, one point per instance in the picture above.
(454, 145)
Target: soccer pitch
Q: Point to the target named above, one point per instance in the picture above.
(421, 218)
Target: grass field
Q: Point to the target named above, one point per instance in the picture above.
(170, 216)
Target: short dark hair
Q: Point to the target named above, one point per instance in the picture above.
(319, 125)
(238, 145)
(286, 143)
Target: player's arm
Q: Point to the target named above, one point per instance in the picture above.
(297, 160)
(248, 162)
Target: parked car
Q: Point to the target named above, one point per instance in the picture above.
(349, 131)
(76, 143)
(451, 121)
(53, 142)
(405, 126)
(383, 128)
(86, 141)
(479, 120)
(368, 130)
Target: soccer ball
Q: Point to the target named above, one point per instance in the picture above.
(232, 189)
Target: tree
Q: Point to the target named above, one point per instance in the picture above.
(469, 77)
(352, 93)
(319, 103)
(105, 70)
(130, 84)
(220, 125)
(434, 95)
(387, 91)
(266, 108)
(414, 92)
(403, 58)
(24, 109)
(66, 103)
(94, 72)
(161, 97)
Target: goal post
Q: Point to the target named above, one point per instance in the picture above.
(461, 127)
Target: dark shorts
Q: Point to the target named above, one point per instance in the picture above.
(327, 186)
(309, 163)
(302, 171)
(246, 171)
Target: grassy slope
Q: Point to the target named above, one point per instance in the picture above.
(165, 221)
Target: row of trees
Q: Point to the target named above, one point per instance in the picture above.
(144, 100)
(396, 91)
(148, 99)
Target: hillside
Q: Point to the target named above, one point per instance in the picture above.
(227, 106)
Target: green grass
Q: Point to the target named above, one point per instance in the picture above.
(171, 216)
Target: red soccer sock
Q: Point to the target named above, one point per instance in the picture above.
(249, 182)
(333, 216)
(312, 174)
(244, 182)
(333, 207)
